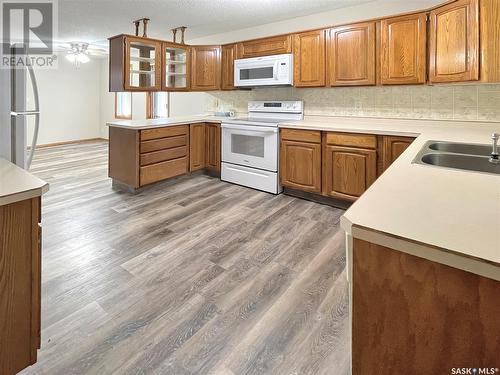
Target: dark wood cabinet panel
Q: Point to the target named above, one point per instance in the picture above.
(196, 147)
(489, 26)
(348, 171)
(212, 147)
(454, 42)
(228, 57)
(351, 55)
(206, 68)
(403, 49)
(275, 45)
(309, 59)
(421, 317)
(300, 165)
(20, 284)
(123, 164)
(393, 147)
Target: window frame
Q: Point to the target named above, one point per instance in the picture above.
(150, 110)
(122, 117)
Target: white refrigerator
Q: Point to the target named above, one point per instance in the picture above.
(16, 113)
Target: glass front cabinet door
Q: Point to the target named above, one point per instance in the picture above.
(134, 64)
(176, 65)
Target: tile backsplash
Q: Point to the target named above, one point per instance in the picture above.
(451, 102)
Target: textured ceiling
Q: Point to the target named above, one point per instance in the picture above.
(95, 20)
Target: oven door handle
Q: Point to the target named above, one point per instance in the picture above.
(247, 128)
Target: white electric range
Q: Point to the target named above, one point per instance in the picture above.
(250, 145)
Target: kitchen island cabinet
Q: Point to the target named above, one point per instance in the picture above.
(422, 316)
(139, 157)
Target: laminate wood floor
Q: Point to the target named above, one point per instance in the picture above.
(191, 276)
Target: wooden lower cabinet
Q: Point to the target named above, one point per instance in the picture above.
(348, 171)
(393, 147)
(300, 165)
(142, 157)
(335, 164)
(163, 170)
(20, 284)
(196, 147)
(212, 147)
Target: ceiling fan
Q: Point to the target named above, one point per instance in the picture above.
(80, 52)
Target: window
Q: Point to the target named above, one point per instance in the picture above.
(157, 105)
(123, 105)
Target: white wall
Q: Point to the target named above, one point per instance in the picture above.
(188, 103)
(107, 100)
(69, 102)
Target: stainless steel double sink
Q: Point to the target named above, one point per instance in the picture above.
(464, 156)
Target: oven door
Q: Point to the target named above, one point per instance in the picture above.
(251, 146)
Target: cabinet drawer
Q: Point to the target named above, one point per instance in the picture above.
(352, 140)
(163, 155)
(163, 143)
(163, 132)
(301, 135)
(161, 171)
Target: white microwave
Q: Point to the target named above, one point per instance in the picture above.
(276, 70)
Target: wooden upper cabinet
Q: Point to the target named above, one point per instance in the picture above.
(490, 40)
(205, 68)
(351, 55)
(454, 42)
(228, 57)
(176, 67)
(275, 45)
(403, 49)
(135, 64)
(309, 59)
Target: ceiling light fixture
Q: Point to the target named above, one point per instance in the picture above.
(78, 54)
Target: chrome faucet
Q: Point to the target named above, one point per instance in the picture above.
(494, 157)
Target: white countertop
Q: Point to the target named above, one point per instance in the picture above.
(164, 122)
(451, 209)
(16, 184)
